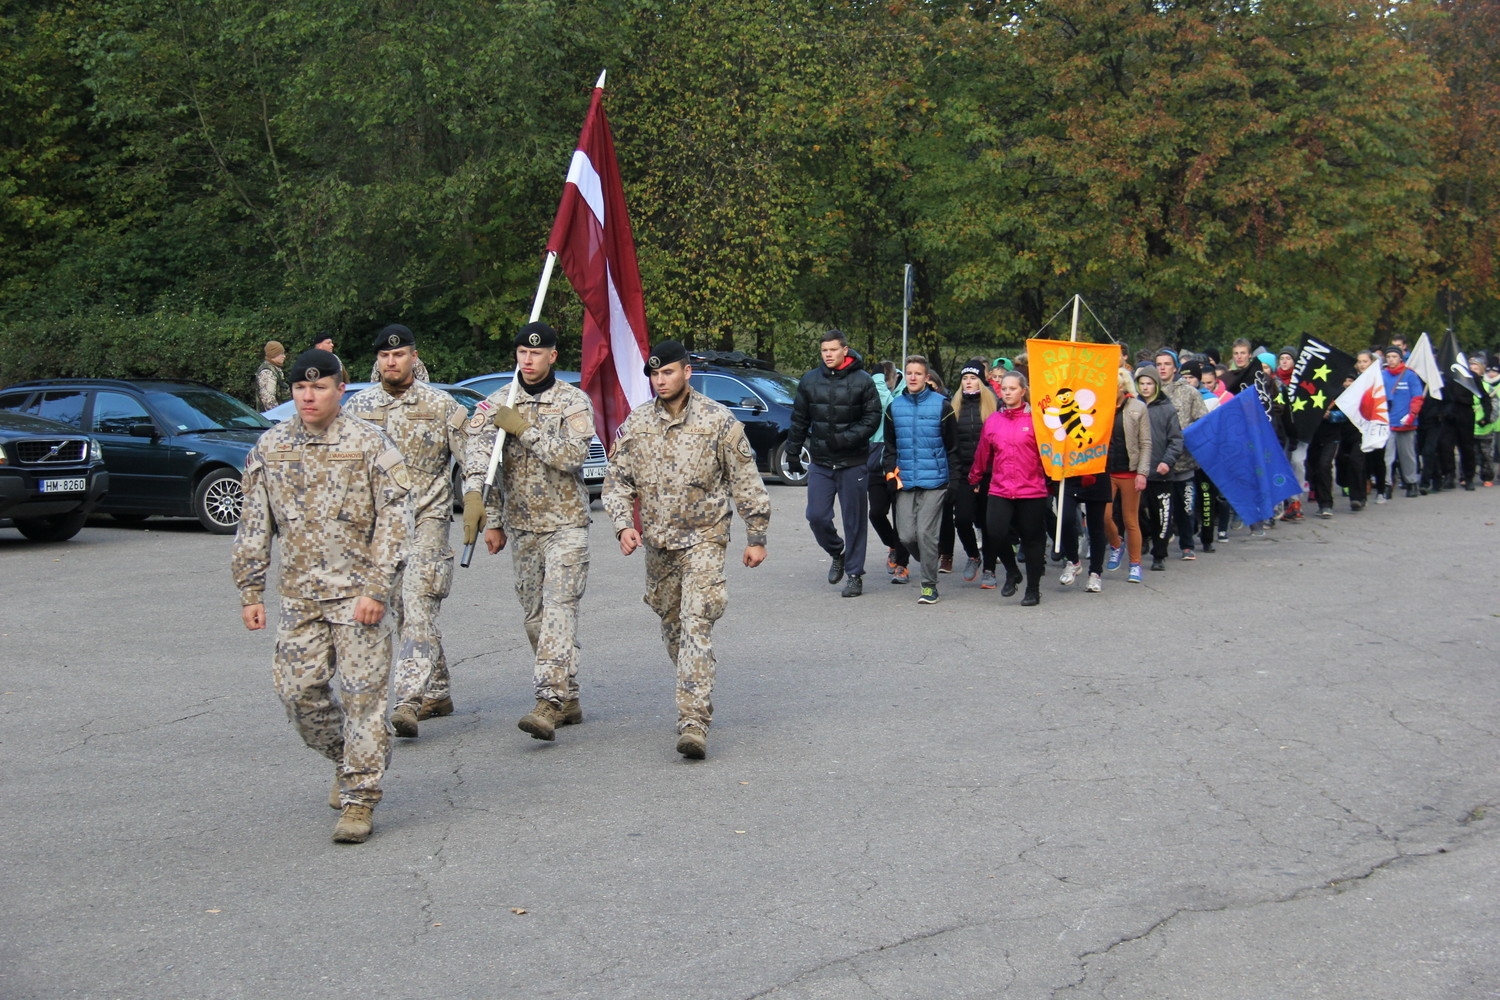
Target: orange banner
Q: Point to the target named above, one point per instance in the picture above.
(1072, 404)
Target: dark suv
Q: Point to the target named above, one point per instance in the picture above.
(761, 398)
(51, 476)
(171, 448)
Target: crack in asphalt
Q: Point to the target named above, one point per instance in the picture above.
(1334, 886)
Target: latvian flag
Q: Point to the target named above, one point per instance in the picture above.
(592, 240)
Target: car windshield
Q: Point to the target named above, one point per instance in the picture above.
(205, 410)
(780, 388)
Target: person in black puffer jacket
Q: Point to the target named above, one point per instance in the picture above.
(972, 406)
(835, 413)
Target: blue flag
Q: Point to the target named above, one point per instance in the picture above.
(1237, 447)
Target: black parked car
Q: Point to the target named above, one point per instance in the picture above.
(51, 477)
(171, 448)
(761, 398)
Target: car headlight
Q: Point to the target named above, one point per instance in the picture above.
(96, 451)
(3, 458)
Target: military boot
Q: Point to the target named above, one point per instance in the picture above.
(693, 743)
(404, 721)
(431, 708)
(541, 722)
(333, 793)
(354, 825)
(572, 713)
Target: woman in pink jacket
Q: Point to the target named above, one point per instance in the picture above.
(1008, 456)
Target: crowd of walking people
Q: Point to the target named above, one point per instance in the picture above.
(940, 475)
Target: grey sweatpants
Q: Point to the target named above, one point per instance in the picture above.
(919, 516)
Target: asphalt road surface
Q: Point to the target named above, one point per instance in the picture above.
(1270, 773)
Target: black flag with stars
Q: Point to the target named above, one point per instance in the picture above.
(1317, 380)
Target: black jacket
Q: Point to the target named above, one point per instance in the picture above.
(967, 429)
(835, 414)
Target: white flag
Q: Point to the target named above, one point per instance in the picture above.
(1424, 363)
(1364, 403)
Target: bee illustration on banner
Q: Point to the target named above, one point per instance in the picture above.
(1071, 415)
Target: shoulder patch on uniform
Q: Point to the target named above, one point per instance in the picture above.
(743, 447)
(476, 421)
(391, 462)
(580, 423)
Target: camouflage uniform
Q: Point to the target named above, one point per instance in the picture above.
(418, 372)
(427, 425)
(339, 503)
(684, 470)
(270, 386)
(543, 507)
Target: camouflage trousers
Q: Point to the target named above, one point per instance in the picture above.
(687, 590)
(421, 666)
(551, 569)
(319, 643)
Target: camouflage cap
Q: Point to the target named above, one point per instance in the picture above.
(537, 335)
(665, 353)
(313, 364)
(392, 337)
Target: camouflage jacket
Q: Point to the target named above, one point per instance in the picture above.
(684, 470)
(1190, 407)
(427, 425)
(270, 386)
(541, 472)
(339, 502)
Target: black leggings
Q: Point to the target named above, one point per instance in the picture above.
(1029, 517)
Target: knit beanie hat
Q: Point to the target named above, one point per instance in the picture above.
(274, 349)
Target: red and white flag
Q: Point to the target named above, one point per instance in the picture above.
(592, 240)
(1364, 403)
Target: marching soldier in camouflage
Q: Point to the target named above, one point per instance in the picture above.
(542, 508)
(427, 426)
(418, 369)
(270, 384)
(335, 490)
(683, 457)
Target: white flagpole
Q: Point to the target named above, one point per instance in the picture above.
(1062, 484)
(510, 398)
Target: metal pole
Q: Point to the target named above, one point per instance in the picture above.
(905, 312)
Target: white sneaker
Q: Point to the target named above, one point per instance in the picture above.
(1069, 573)
(1095, 584)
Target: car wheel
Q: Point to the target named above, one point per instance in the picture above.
(56, 528)
(778, 466)
(218, 500)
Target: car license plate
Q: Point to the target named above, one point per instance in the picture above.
(594, 473)
(64, 485)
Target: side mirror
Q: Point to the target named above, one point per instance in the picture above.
(144, 429)
(751, 403)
